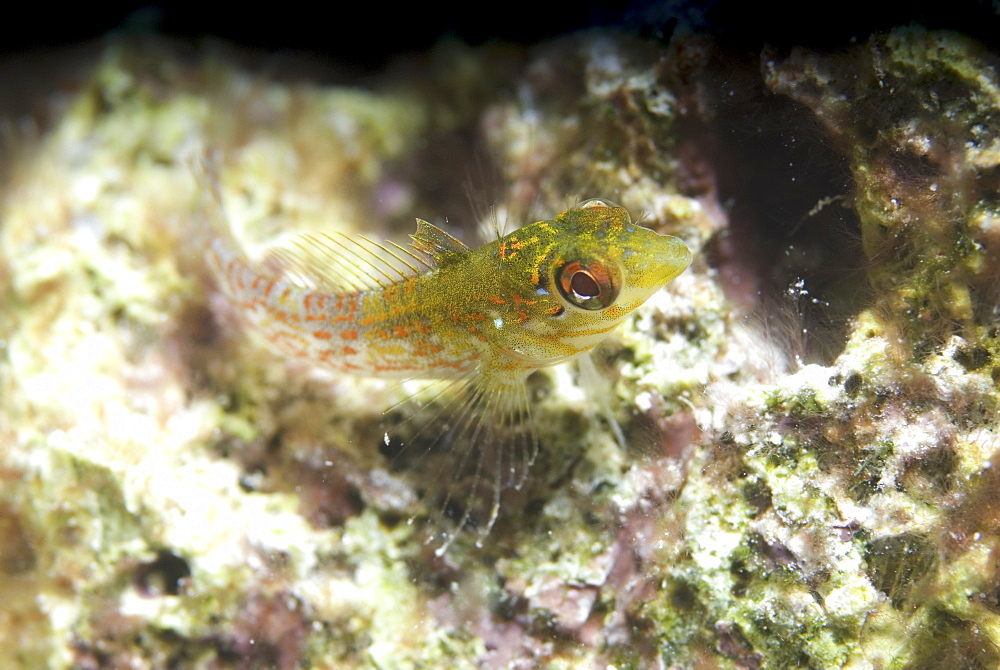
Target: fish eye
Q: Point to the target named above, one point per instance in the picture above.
(588, 285)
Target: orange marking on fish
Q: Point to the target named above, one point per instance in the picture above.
(308, 304)
(395, 368)
(349, 335)
(280, 336)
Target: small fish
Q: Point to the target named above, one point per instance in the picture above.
(438, 309)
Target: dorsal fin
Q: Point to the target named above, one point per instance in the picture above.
(341, 263)
(439, 245)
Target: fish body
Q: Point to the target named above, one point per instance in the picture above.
(536, 297)
(438, 309)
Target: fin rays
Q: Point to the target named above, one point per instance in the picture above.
(343, 263)
(479, 443)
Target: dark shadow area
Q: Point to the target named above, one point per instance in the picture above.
(793, 243)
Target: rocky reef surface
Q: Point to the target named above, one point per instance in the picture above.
(810, 469)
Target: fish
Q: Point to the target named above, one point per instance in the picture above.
(484, 318)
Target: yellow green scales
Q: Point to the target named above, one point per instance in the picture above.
(438, 309)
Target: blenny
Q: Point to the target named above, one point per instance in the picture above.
(438, 309)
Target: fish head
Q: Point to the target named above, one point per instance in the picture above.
(588, 269)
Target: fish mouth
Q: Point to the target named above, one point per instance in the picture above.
(668, 257)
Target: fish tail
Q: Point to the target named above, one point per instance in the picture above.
(211, 246)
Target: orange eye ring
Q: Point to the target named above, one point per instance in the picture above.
(588, 285)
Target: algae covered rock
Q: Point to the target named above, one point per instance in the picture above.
(787, 458)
